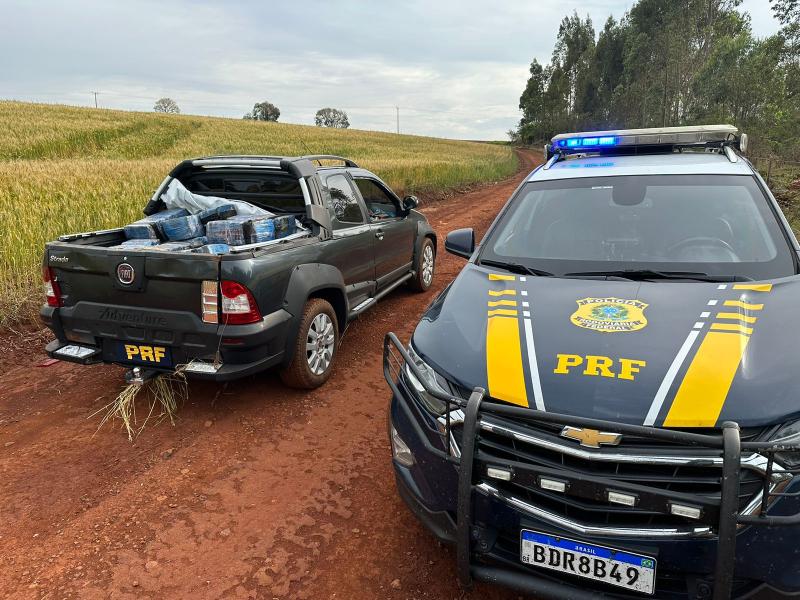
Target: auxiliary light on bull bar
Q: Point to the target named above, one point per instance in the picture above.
(683, 510)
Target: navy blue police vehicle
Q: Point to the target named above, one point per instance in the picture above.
(604, 402)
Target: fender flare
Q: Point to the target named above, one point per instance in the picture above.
(424, 231)
(304, 282)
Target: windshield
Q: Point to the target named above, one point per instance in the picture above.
(715, 225)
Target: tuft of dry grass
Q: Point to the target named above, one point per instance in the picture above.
(67, 170)
(165, 394)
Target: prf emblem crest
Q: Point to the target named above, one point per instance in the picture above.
(610, 315)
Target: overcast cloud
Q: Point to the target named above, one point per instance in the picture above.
(455, 68)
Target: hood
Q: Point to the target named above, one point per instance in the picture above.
(663, 353)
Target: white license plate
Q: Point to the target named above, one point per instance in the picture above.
(598, 563)
(75, 351)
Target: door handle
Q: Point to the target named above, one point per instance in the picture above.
(379, 234)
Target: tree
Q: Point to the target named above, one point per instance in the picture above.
(331, 117)
(671, 62)
(263, 111)
(166, 105)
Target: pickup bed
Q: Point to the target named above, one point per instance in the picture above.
(283, 303)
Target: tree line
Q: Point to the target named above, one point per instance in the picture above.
(667, 63)
(266, 111)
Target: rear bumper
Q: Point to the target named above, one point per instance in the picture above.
(240, 350)
(485, 529)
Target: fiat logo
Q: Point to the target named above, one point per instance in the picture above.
(125, 273)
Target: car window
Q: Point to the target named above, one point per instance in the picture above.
(380, 205)
(343, 200)
(716, 224)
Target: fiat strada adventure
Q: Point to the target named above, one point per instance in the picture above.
(606, 400)
(277, 302)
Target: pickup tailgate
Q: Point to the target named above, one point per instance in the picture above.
(115, 298)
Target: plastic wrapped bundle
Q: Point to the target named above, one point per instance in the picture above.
(264, 230)
(141, 230)
(140, 243)
(172, 247)
(213, 249)
(232, 232)
(147, 228)
(224, 211)
(181, 228)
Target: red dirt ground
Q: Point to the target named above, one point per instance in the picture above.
(258, 491)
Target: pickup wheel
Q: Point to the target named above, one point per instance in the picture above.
(423, 267)
(315, 347)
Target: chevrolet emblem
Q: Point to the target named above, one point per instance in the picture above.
(591, 438)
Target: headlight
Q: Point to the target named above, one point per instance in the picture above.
(432, 380)
(790, 436)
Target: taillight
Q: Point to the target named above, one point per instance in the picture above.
(209, 302)
(51, 288)
(238, 305)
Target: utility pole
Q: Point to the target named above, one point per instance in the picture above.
(95, 98)
(397, 108)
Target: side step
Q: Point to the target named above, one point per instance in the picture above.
(370, 301)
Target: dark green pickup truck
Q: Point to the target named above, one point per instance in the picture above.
(283, 303)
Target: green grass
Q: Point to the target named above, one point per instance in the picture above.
(67, 169)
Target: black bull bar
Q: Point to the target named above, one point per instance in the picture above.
(729, 445)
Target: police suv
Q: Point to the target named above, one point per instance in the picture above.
(604, 402)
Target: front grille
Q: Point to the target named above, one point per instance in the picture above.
(700, 479)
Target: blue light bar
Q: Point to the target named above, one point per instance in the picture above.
(588, 143)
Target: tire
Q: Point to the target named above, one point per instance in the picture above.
(311, 367)
(424, 267)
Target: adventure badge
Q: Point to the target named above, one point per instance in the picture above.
(610, 315)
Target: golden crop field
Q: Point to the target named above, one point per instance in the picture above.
(67, 169)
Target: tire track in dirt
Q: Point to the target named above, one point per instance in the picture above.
(257, 492)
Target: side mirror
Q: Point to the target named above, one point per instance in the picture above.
(460, 242)
(410, 203)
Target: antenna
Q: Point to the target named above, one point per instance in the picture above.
(302, 141)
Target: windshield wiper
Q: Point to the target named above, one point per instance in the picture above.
(644, 274)
(516, 268)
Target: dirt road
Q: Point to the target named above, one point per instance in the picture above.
(257, 491)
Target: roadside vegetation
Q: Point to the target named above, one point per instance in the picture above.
(671, 62)
(67, 170)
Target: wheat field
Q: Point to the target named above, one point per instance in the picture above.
(68, 169)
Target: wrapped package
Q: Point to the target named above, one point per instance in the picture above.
(223, 211)
(137, 243)
(172, 247)
(213, 249)
(264, 230)
(181, 228)
(147, 228)
(243, 229)
(230, 231)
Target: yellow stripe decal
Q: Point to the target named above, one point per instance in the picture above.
(736, 316)
(744, 305)
(731, 327)
(753, 287)
(502, 292)
(502, 312)
(503, 303)
(702, 394)
(497, 277)
(504, 371)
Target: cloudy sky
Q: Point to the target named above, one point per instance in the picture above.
(455, 68)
